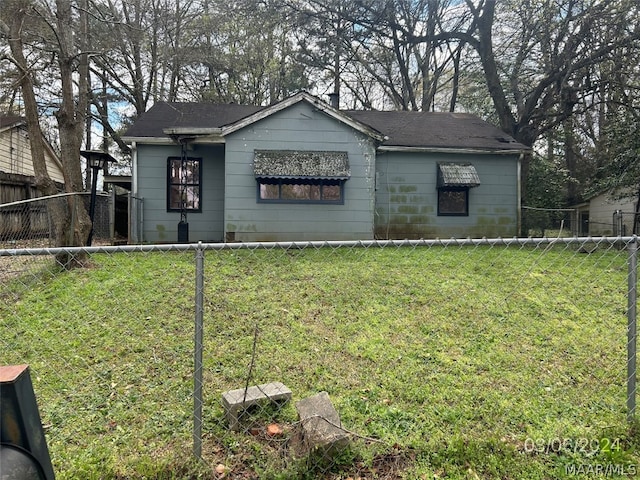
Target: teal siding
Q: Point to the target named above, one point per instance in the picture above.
(299, 127)
(391, 195)
(407, 196)
(159, 225)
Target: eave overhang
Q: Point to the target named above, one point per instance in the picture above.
(12, 125)
(192, 131)
(169, 139)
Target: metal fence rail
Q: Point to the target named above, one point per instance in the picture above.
(421, 347)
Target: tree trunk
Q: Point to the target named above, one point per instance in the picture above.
(484, 47)
(43, 182)
(71, 118)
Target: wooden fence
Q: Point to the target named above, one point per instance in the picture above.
(21, 220)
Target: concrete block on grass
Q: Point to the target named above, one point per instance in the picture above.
(320, 423)
(237, 401)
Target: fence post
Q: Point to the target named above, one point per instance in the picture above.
(73, 217)
(632, 329)
(197, 354)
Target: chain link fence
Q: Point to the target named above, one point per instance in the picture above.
(30, 223)
(551, 222)
(416, 359)
(603, 221)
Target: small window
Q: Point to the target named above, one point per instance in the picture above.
(300, 191)
(184, 184)
(454, 182)
(453, 201)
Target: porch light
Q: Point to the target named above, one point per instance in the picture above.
(96, 160)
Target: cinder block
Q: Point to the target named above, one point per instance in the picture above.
(236, 401)
(321, 426)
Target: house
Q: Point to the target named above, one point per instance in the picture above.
(17, 181)
(16, 165)
(609, 213)
(303, 170)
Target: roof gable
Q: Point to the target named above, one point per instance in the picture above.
(13, 123)
(316, 103)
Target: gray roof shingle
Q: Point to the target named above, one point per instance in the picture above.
(174, 115)
(436, 130)
(6, 120)
(457, 175)
(402, 128)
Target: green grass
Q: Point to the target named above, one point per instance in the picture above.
(455, 360)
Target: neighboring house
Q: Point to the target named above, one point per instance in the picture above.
(609, 213)
(16, 165)
(17, 182)
(303, 170)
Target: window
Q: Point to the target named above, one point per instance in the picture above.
(454, 182)
(300, 191)
(183, 184)
(296, 176)
(453, 201)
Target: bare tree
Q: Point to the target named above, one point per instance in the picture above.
(247, 55)
(52, 27)
(559, 45)
(368, 49)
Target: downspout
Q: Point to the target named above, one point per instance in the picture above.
(519, 196)
(134, 168)
(135, 214)
(635, 216)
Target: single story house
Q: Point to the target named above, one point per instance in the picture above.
(302, 170)
(606, 214)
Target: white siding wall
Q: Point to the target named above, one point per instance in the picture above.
(601, 210)
(15, 155)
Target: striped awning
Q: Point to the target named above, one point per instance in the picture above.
(300, 164)
(457, 175)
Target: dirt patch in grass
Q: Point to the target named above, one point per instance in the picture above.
(288, 455)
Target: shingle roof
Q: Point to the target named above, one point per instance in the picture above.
(202, 115)
(436, 130)
(6, 120)
(402, 128)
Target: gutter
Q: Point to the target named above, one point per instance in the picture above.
(203, 135)
(148, 140)
(192, 131)
(485, 151)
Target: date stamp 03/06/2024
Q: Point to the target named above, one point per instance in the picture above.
(592, 450)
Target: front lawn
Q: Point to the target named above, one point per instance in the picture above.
(457, 362)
